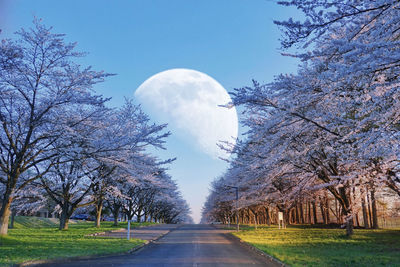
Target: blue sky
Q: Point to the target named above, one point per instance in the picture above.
(232, 41)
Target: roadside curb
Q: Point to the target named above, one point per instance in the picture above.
(77, 258)
(119, 230)
(258, 251)
(106, 232)
(148, 242)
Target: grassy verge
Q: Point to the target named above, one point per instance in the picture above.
(305, 246)
(38, 239)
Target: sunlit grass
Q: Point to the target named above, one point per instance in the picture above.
(40, 241)
(304, 246)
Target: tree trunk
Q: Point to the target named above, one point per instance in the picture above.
(12, 219)
(5, 213)
(338, 217)
(323, 213)
(115, 211)
(357, 220)
(328, 220)
(139, 215)
(255, 217)
(347, 209)
(374, 210)
(301, 213)
(349, 227)
(369, 210)
(314, 206)
(348, 212)
(364, 212)
(285, 218)
(297, 214)
(309, 212)
(99, 208)
(64, 219)
(267, 215)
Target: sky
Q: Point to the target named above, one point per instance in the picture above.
(232, 41)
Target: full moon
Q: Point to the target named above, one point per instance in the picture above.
(189, 101)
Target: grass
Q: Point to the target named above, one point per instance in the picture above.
(305, 246)
(39, 239)
(34, 222)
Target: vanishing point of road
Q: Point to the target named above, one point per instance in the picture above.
(187, 245)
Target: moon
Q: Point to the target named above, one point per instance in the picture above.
(189, 101)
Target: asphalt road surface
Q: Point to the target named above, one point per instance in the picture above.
(188, 245)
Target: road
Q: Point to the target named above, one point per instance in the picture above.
(188, 245)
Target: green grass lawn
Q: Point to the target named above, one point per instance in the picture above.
(305, 246)
(39, 238)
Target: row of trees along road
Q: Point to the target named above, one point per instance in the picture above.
(59, 143)
(328, 134)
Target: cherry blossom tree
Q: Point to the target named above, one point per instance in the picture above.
(39, 84)
(333, 126)
(357, 44)
(124, 140)
(85, 173)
